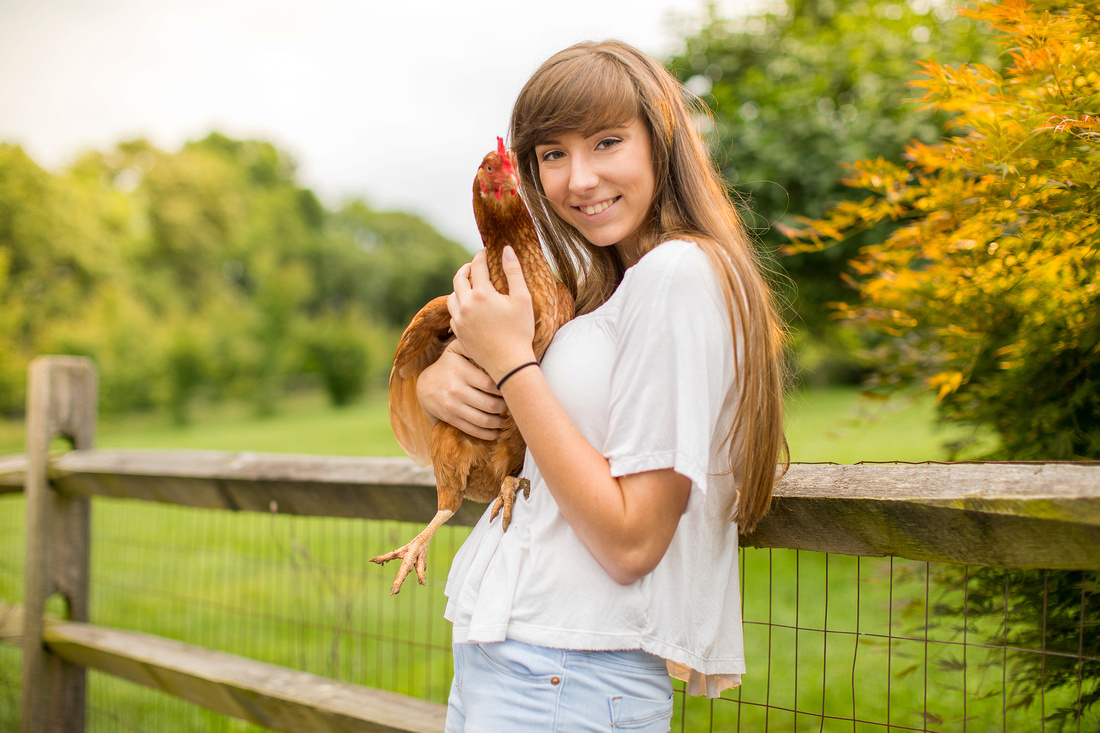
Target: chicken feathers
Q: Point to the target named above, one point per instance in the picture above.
(466, 467)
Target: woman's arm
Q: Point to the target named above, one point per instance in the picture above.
(626, 523)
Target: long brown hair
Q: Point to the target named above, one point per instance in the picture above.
(592, 86)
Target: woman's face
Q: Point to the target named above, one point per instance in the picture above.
(602, 184)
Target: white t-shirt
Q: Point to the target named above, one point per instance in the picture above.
(645, 377)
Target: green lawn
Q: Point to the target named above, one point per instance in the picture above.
(299, 592)
(835, 425)
(305, 423)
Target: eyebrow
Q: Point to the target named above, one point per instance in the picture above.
(611, 129)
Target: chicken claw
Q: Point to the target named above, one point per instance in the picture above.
(507, 497)
(414, 554)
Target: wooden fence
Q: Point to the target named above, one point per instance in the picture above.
(1015, 515)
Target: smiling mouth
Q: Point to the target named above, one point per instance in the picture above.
(597, 208)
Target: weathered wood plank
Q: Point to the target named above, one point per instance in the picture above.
(1002, 514)
(940, 481)
(265, 694)
(13, 473)
(1020, 515)
(335, 486)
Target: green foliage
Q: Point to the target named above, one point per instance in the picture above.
(12, 375)
(55, 252)
(185, 364)
(205, 272)
(123, 338)
(339, 353)
(800, 89)
(407, 262)
(987, 292)
(1031, 610)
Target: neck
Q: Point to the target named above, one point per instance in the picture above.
(512, 227)
(530, 258)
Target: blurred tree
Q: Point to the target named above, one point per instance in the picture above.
(124, 338)
(55, 253)
(196, 204)
(804, 86)
(206, 271)
(407, 263)
(336, 350)
(988, 290)
(12, 364)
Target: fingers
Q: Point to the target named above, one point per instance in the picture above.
(464, 416)
(488, 408)
(461, 283)
(514, 273)
(476, 431)
(456, 347)
(456, 391)
(473, 374)
(479, 271)
(471, 409)
(493, 326)
(461, 280)
(484, 384)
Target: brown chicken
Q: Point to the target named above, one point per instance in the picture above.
(468, 467)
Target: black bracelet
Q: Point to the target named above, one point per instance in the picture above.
(509, 374)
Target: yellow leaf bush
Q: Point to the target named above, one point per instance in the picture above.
(987, 293)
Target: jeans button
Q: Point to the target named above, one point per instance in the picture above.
(555, 681)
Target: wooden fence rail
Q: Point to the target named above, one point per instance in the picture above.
(996, 514)
(1012, 515)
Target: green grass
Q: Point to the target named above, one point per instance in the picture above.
(835, 425)
(305, 423)
(839, 425)
(299, 592)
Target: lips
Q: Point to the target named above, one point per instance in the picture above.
(597, 207)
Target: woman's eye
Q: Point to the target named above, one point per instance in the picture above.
(608, 142)
(551, 155)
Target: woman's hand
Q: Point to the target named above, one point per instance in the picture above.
(496, 330)
(455, 391)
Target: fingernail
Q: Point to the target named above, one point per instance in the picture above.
(509, 252)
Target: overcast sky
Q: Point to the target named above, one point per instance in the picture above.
(394, 101)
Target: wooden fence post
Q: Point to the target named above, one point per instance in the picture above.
(61, 402)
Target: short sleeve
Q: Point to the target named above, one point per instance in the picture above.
(672, 368)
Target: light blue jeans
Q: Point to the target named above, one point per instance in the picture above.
(511, 686)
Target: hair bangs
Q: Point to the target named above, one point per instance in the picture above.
(582, 94)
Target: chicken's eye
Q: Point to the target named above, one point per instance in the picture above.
(489, 167)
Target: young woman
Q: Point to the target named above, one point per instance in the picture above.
(653, 425)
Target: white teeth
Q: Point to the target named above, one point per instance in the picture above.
(590, 210)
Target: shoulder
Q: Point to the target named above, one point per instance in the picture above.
(673, 253)
(676, 267)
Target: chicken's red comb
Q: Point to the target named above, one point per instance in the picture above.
(505, 157)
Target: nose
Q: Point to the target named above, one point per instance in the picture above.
(582, 175)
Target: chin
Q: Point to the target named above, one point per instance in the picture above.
(601, 239)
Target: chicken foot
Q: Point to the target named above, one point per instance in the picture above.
(414, 554)
(507, 498)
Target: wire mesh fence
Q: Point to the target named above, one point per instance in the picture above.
(839, 643)
(834, 643)
(294, 591)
